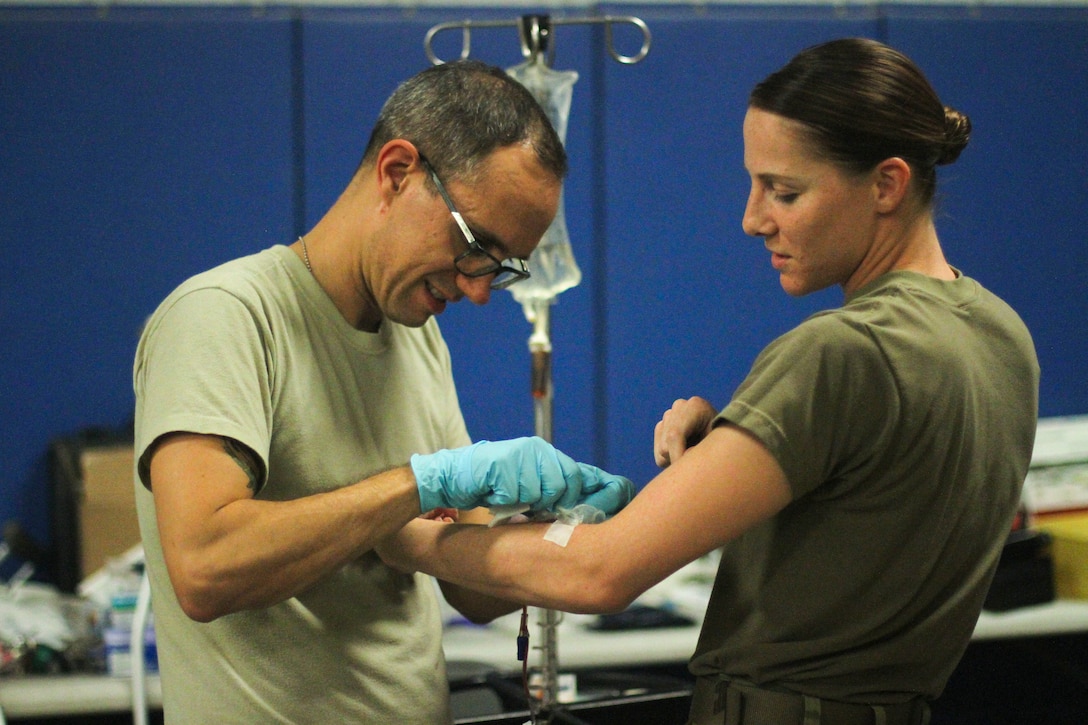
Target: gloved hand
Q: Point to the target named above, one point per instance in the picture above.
(522, 470)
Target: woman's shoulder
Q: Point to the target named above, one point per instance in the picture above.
(831, 328)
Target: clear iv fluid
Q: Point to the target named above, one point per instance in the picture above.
(552, 264)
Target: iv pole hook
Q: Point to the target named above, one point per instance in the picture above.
(536, 35)
(466, 40)
(616, 55)
(535, 32)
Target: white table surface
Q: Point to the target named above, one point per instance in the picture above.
(495, 645)
(581, 647)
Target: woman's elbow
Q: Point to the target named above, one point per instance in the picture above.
(605, 593)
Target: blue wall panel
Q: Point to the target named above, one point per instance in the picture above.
(691, 300)
(1014, 211)
(134, 153)
(140, 146)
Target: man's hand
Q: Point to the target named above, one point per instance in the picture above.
(523, 470)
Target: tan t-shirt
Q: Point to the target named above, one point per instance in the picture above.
(254, 350)
(904, 421)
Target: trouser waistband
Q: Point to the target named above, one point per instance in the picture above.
(718, 701)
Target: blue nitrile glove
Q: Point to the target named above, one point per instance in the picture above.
(603, 490)
(523, 470)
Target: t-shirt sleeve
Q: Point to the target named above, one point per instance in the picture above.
(820, 398)
(203, 366)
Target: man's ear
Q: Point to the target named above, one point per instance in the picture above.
(395, 161)
(893, 177)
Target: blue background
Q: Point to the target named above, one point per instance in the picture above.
(139, 146)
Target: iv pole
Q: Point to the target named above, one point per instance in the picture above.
(551, 274)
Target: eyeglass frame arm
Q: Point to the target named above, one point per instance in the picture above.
(519, 272)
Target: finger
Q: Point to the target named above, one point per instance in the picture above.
(532, 476)
(471, 483)
(441, 514)
(615, 493)
(661, 451)
(549, 474)
(508, 474)
(672, 441)
(574, 482)
(676, 446)
(668, 429)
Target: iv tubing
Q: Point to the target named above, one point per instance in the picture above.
(136, 648)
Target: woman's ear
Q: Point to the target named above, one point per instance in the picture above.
(893, 177)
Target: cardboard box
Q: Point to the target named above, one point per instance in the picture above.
(1069, 548)
(92, 502)
(107, 516)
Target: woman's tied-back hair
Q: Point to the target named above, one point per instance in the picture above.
(457, 114)
(862, 102)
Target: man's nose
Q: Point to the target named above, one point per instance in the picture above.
(477, 289)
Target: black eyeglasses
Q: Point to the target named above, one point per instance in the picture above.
(477, 261)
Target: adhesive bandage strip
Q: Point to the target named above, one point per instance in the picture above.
(559, 533)
(562, 527)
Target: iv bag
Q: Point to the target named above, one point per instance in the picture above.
(551, 264)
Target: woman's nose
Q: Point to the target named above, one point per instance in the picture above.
(755, 221)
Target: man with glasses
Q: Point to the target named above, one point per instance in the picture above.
(280, 396)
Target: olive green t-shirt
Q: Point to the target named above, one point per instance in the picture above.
(254, 350)
(904, 421)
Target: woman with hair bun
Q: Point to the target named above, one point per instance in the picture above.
(863, 479)
(902, 422)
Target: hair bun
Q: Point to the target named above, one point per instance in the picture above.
(957, 132)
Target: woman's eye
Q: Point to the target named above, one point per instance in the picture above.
(786, 197)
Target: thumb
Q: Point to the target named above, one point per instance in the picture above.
(605, 491)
